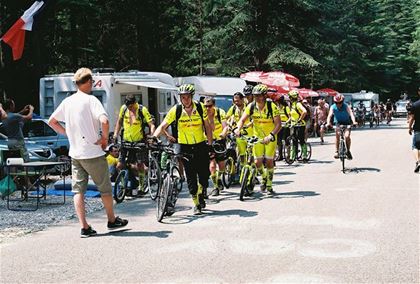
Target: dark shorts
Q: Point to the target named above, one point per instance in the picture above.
(132, 156)
(416, 140)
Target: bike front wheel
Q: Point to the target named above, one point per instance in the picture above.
(244, 183)
(229, 172)
(153, 178)
(120, 186)
(162, 197)
(289, 151)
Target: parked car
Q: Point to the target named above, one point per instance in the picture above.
(36, 152)
(37, 130)
(401, 108)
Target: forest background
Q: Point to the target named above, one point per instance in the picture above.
(347, 45)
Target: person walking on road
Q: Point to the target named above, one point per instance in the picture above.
(13, 124)
(83, 116)
(195, 136)
(414, 129)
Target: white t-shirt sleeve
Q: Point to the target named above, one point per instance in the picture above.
(97, 108)
(59, 113)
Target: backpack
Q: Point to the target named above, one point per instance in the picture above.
(140, 117)
(269, 107)
(178, 112)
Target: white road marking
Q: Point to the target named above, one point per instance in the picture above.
(336, 248)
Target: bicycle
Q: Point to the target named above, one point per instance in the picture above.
(171, 184)
(123, 177)
(232, 162)
(249, 170)
(292, 150)
(342, 147)
(154, 177)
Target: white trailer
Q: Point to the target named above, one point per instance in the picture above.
(222, 88)
(154, 90)
(367, 98)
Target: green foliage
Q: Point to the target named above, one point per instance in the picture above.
(345, 44)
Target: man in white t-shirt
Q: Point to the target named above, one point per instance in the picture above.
(84, 116)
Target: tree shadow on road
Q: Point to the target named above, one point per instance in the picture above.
(320, 162)
(292, 194)
(130, 233)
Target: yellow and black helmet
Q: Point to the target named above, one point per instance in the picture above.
(186, 89)
(260, 89)
(293, 94)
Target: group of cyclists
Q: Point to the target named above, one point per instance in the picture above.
(201, 129)
(378, 112)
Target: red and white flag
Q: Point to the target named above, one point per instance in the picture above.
(15, 36)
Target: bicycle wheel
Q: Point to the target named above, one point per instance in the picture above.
(120, 186)
(288, 151)
(176, 178)
(342, 153)
(244, 183)
(229, 172)
(153, 178)
(253, 179)
(308, 152)
(162, 197)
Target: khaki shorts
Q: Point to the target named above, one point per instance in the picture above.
(97, 168)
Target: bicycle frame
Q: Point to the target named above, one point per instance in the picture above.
(342, 147)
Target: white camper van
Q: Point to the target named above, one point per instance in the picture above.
(222, 88)
(154, 90)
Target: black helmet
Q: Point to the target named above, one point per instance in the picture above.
(248, 90)
(129, 100)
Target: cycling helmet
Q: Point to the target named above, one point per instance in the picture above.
(339, 98)
(260, 89)
(188, 89)
(293, 95)
(248, 90)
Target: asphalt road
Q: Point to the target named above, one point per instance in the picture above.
(322, 226)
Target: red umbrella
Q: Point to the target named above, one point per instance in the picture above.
(305, 93)
(253, 76)
(328, 92)
(278, 78)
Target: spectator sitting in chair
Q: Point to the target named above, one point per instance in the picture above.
(112, 160)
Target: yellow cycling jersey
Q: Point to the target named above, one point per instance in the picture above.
(263, 123)
(284, 114)
(237, 114)
(294, 111)
(218, 127)
(111, 160)
(190, 128)
(134, 132)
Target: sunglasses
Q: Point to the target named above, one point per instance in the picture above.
(208, 106)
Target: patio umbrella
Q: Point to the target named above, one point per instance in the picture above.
(305, 93)
(253, 76)
(278, 78)
(327, 92)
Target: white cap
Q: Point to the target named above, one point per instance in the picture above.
(82, 73)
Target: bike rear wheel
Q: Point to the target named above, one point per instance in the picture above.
(154, 178)
(162, 197)
(229, 172)
(120, 186)
(176, 178)
(244, 183)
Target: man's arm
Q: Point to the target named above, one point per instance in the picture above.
(277, 125)
(410, 123)
(56, 126)
(152, 127)
(103, 141)
(209, 131)
(160, 128)
(29, 115)
(241, 123)
(353, 119)
(330, 114)
(117, 129)
(303, 112)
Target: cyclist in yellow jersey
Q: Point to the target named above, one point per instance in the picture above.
(266, 127)
(194, 136)
(297, 113)
(233, 116)
(285, 130)
(217, 119)
(130, 120)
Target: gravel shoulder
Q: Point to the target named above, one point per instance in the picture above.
(14, 224)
